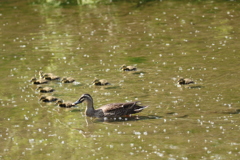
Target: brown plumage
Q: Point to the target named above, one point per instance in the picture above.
(42, 74)
(67, 80)
(183, 81)
(110, 110)
(45, 89)
(60, 103)
(100, 82)
(44, 98)
(38, 81)
(128, 68)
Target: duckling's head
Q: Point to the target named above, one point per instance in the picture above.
(181, 81)
(64, 79)
(40, 87)
(33, 79)
(123, 67)
(59, 101)
(42, 97)
(96, 81)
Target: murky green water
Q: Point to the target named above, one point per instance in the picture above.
(165, 40)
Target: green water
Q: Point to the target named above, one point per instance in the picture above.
(164, 40)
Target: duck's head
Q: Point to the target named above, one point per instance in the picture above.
(83, 98)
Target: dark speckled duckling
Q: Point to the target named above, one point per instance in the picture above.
(44, 89)
(67, 80)
(52, 77)
(38, 81)
(44, 98)
(183, 81)
(100, 82)
(48, 76)
(128, 68)
(60, 103)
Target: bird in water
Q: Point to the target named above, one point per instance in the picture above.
(128, 68)
(183, 81)
(67, 80)
(44, 98)
(62, 104)
(44, 89)
(100, 82)
(34, 80)
(112, 110)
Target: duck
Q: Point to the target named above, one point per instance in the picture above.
(112, 110)
(34, 80)
(44, 98)
(60, 103)
(67, 80)
(128, 68)
(45, 89)
(100, 82)
(183, 81)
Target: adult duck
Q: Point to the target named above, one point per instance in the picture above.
(112, 110)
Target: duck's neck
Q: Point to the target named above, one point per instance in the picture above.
(89, 110)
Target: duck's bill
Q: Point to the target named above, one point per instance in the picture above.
(77, 102)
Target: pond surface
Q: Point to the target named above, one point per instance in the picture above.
(164, 40)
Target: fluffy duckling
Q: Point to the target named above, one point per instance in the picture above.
(128, 68)
(183, 81)
(100, 82)
(67, 80)
(38, 81)
(52, 77)
(60, 103)
(44, 98)
(44, 89)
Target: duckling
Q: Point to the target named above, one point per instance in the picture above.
(60, 103)
(45, 89)
(42, 74)
(51, 77)
(44, 98)
(67, 80)
(128, 68)
(183, 81)
(34, 80)
(100, 82)
(112, 110)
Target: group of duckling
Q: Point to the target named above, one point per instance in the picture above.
(113, 110)
(44, 78)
